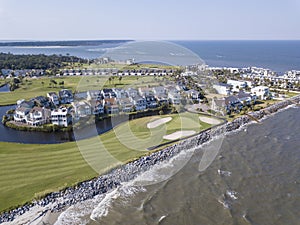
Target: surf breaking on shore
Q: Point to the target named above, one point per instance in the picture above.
(57, 201)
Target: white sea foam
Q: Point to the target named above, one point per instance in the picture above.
(103, 207)
(232, 194)
(79, 213)
(224, 173)
(162, 218)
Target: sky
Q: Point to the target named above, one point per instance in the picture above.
(150, 19)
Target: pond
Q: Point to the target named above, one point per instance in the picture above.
(5, 88)
(34, 137)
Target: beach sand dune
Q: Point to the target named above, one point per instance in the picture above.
(209, 120)
(179, 134)
(158, 122)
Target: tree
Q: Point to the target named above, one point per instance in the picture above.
(53, 82)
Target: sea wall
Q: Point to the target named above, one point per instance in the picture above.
(86, 190)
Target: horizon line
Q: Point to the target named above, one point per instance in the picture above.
(54, 40)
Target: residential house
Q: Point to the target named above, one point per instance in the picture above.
(232, 102)
(174, 97)
(111, 106)
(126, 105)
(143, 91)
(262, 92)
(81, 109)
(108, 93)
(237, 85)
(139, 103)
(66, 96)
(162, 99)
(159, 90)
(245, 97)
(97, 106)
(218, 104)
(53, 97)
(38, 116)
(61, 116)
(120, 93)
(151, 101)
(193, 94)
(223, 89)
(94, 95)
(79, 96)
(131, 92)
(41, 101)
(26, 104)
(21, 113)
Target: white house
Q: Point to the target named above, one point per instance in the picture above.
(139, 103)
(159, 90)
(120, 93)
(143, 91)
(94, 95)
(193, 94)
(174, 97)
(38, 116)
(131, 92)
(262, 92)
(237, 85)
(20, 114)
(81, 108)
(223, 89)
(61, 117)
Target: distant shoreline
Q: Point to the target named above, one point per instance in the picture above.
(60, 43)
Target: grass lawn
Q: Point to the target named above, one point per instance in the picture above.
(119, 66)
(28, 171)
(32, 87)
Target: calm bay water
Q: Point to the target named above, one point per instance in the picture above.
(261, 185)
(280, 56)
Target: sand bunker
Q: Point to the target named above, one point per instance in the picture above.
(209, 120)
(179, 134)
(158, 122)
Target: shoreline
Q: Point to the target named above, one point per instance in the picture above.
(57, 201)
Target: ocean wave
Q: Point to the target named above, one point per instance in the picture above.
(80, 212)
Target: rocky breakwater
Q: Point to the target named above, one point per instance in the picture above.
(57, 201)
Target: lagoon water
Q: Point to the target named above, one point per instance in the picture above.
(253, 180)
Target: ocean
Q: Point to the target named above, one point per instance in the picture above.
(279, 56)
(253, 180)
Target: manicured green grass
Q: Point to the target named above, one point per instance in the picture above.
(28, 171)
(32, 87)
(119, 66)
